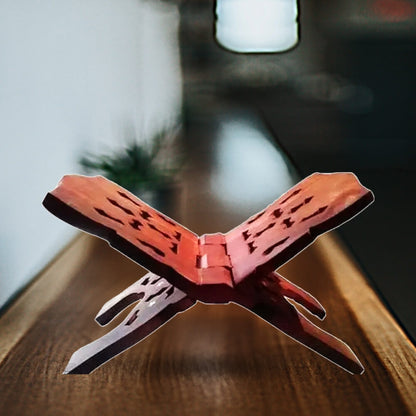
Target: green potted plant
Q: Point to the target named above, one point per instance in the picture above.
(146, 169)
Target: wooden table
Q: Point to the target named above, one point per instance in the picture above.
(209, 360)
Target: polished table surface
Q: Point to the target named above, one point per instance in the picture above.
(211, 359)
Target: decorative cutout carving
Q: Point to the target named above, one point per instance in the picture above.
(104, 214)
(217, 268)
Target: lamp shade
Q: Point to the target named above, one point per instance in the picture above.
(256, 25)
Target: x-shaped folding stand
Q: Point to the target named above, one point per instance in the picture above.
(214, 268)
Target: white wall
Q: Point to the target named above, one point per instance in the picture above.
(73, 75)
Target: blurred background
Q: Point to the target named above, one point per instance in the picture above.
(92, 86)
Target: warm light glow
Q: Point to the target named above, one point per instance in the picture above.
(394, 10)
(257, 25)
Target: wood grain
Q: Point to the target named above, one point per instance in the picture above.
(50, 284)
(210, 360)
